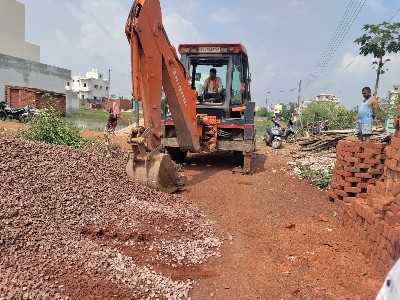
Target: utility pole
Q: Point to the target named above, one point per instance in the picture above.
(109, 82)
(298, 98)
(298, 107)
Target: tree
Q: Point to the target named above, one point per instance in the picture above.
(336, 116)
(379, 40)
(264, 112)
(288, 109)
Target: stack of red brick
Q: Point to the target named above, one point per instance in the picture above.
(357, 166)
(375, 220)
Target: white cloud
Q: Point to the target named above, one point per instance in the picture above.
(376, 5)
(62, 37)
(180, 30)
(100, 23)
(354, 66)
(298, 6)
(225, 16)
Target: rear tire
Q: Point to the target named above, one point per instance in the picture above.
(291, 138)
(3, 116)
(177, 155)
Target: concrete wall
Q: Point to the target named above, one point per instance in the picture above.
(72, 102)
(21, 72)
(12, 32)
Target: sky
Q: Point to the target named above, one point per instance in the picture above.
(287, 41)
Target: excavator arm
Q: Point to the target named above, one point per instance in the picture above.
(155, 66)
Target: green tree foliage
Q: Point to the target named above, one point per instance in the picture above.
(51, 128)
(264, 112)
(288, 109)
(379, 40)
(390, 105)
(337, 117)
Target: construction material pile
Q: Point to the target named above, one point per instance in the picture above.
(73, 226)
(323, 141)
(329, 139)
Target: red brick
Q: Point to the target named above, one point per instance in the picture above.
(351, 158)
(375, 171)
(392, 218)
(352, 179)
(351, 169)
(343, 173)
(363, 175)
(364, 155)
(374, 161)
(395, 142)
(340, 192)
(349, 189)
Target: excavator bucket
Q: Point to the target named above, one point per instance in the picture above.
(156, 172)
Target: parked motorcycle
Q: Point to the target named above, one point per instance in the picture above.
(273, 135)
(3, 115)
(22, 114)
(29, 113)
(291, 132)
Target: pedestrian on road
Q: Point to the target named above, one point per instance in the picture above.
(112, 118)
(365, 116)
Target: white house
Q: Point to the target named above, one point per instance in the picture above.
(330, 98)
(93, 86)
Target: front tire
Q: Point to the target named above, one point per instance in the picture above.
(177, 155)
(3, 116)
(276, 143)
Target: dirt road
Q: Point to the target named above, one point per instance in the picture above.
(282, 238)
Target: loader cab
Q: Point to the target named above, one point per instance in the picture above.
(231, 63)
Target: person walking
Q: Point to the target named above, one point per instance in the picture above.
(365, 116)
(112, 118)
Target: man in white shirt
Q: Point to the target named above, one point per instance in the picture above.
(391, 286)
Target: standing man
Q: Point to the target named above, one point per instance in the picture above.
(213, 85)
(365, 116)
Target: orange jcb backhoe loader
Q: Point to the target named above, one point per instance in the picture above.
(194, 122)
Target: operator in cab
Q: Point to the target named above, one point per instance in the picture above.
(212, 87)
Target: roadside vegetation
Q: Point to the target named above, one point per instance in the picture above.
(97, 118)
(321, 178)
(49, 127)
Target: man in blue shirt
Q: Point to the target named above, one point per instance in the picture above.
(365, 116)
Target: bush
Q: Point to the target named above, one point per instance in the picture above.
(337, 117)
(321, 178)
(49, 127)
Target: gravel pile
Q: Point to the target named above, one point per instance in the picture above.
(73, 226)
(315, 161)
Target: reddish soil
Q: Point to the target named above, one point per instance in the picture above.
(283, 239)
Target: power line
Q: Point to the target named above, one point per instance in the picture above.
(359, 55)
(394, 15)
(352, 11)
(120, 73)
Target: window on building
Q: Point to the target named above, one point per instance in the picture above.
(96, 86)
(106, 88)
(67, 83)
(73, 80)
(95, 98)
(101, 87)
(84, 85)
(101, 76)
(83, 96)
